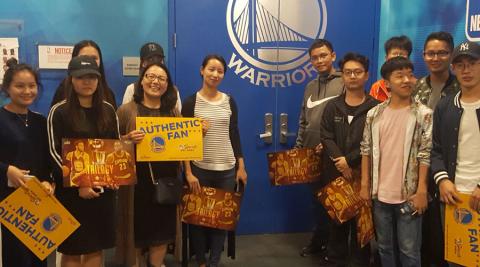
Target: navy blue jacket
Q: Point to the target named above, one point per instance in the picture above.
(446, 126)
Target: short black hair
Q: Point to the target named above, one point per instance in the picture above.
(207, 58)
(393, 64)
(319, 43)
(400, 42)
(352, 56)
(441, 36)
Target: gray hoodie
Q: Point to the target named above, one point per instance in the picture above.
(317, 93)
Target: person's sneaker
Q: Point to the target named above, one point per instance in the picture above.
(324, 262)
(312, 249)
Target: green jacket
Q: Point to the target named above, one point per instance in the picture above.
(423, 90)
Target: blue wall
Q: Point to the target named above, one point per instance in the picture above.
(119, 27)
(417, 19)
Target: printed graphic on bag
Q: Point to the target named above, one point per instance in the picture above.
(340, 200)
(365, 230)
(213, 208)
(97, 162)
(295, 166)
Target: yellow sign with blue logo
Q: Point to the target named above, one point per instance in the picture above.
(462, 233)
(168, 138)
(37, 219)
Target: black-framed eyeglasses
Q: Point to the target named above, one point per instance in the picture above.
(432, 54)
(355, 72)
(152, 77)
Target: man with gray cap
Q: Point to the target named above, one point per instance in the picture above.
(455, 163)
(149, 53)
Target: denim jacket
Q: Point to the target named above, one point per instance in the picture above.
(418, 143)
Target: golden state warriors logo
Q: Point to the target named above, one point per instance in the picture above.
(157, 144)
(274, 44)
(51, 222)
(462, 215)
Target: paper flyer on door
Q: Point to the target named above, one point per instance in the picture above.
(98, 162)
(462, 233)
(36, 218)
(295, 166)
(170, 138)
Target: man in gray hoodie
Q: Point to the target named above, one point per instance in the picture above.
(318, 92)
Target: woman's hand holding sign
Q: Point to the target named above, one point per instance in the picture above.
(135, 136)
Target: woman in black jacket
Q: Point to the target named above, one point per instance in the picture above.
(84, 114)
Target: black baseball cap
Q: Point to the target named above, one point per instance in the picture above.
(466, 48)
(82, 65)
(151, 49)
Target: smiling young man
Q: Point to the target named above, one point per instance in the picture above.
(439, 83)
(456, 133)
(326, 86)
(395, 160)
(342, 130)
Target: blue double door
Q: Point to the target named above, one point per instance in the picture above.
(265, 44)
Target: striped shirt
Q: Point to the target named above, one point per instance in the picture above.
(217, 148)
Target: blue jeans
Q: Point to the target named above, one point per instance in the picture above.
(205, 237)
(399, 236)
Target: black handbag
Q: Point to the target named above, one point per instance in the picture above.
(167, 190)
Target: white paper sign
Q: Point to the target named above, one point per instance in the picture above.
(8, 49)
(54, 56)
(131, 66)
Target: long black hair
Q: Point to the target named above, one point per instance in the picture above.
(76, 112)
(168, 100)
(62, 92)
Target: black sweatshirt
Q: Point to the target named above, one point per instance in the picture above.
(25, 147)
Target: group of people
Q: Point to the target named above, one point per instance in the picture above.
(125, 217)
(409, 143)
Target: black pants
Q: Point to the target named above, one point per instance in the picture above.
(323, 221)
(343, 248)
(433, 253)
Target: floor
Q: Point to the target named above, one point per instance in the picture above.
(275, 250)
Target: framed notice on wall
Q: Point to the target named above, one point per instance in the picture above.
(54, 56)
(8, 50)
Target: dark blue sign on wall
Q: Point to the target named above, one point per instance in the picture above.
(472, 21)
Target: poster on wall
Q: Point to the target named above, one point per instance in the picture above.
(54, 56)
(130, 66)
(8, 49)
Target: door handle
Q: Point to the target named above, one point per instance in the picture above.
(284, 134)
(267, 135)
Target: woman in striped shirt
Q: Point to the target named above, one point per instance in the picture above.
(222, 165)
